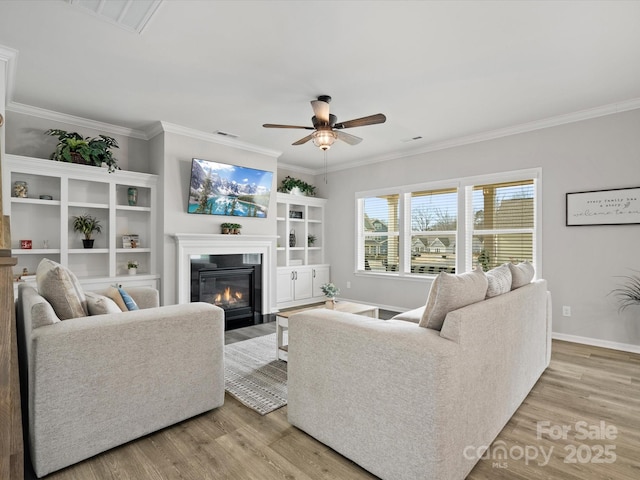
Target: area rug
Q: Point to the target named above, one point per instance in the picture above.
(254, 376)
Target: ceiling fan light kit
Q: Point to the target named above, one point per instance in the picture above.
(326, 130)
(323, 139)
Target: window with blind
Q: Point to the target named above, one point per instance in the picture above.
(502, 223)
(434, 220)
(379, 231)
(449, 226)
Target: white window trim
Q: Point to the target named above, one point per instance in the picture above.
(465, 186)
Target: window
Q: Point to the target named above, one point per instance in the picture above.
(421, 230)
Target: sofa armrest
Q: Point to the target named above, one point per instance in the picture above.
(350, 377)
(115, 377)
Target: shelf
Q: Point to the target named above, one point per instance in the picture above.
(132, 208)
(35, 251)
(313, 221)
(281, 219)
(35, 201)
(89, 205)
(88, 250)
(133, 250)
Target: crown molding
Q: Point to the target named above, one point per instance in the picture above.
(578, 116)
(10, 56)
(212, 137)
(76, 121)
(298, 169)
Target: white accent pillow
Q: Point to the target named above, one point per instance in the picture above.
(450, 292)
(499, 280)
(100, 305)
(60, 287)
(521, 274)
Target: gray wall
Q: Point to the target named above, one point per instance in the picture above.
(175, 174)
(580, 263)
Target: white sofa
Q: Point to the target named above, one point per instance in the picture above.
(96, 382)
(405, 401)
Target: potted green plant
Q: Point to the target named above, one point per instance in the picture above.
(311, 240)
(296, 186)
(73, 147)
(132, 266)
(331, 292)
(628, 294)
(230, 228)
(86, 224)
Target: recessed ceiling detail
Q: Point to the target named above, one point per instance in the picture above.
(132, 15)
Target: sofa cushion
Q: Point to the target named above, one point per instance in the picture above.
(101, 305)
(450, 292)
(60, 287)
(122, 299)
(499, 281)
(412, 315)
(521, 274)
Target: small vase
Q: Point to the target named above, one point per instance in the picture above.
(330, 304)
(87, 243)
(132, 196)
(133, 271)
(20, 189)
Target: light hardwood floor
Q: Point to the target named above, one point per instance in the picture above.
(582, 384)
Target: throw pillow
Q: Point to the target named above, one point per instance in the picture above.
(128, 301)
(60, 287)
(100, 305)
(122, 299)
(521, 274)
(499, 280)
(450, 292)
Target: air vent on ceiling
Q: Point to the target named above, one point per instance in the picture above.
(132, 15)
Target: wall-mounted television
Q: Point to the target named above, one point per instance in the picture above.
(232, 190)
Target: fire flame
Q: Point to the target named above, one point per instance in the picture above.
(227, 297)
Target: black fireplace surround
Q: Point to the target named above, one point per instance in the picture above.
(232, 282)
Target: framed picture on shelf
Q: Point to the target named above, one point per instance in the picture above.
(130, 241)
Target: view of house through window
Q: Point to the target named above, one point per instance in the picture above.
(420, 231)
(434, 220)
(503, 223)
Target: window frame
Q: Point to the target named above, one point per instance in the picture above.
(464, 234)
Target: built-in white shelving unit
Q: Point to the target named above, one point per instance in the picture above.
(301, 264)
(77, 190)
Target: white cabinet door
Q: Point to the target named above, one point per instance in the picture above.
(320, 276)
(285, 285)
(303, 283)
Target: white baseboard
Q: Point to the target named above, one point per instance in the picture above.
(625, 347)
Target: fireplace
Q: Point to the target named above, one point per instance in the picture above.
(233, 283)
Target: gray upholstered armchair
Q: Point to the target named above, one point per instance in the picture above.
(99, 381)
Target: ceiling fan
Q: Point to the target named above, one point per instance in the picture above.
(326, 130)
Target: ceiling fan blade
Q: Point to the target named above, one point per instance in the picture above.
(303, 140)
(275, 125)
(321, 110)
(361, 122)
(347, 137)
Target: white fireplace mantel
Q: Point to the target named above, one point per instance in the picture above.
(189, 244)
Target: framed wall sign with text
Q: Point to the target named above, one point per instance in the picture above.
(620, 206)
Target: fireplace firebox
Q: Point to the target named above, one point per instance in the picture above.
(232, 282)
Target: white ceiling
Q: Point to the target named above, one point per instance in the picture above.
(439, 70)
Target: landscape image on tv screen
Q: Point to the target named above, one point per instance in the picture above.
(222, 189)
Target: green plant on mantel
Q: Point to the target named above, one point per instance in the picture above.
(289, 183)
(628, 294)
(86, 224)
(73, 147)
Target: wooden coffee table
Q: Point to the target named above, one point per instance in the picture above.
(282, 320)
